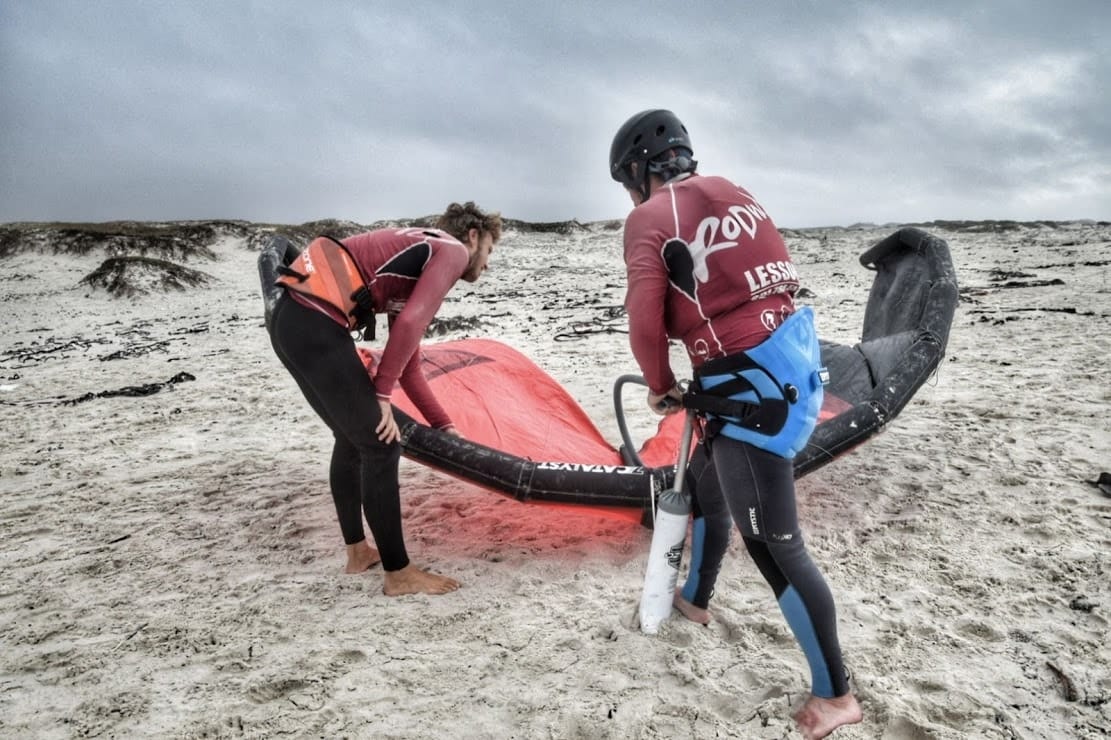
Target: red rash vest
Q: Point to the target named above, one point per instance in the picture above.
(706, 265)
(409, 272)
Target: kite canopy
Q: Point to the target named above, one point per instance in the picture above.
(523, 433)
(525, 436)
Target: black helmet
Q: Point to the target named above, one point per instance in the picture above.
(644, 137)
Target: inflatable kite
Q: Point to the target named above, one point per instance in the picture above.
(525, 436)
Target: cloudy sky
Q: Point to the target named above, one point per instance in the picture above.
(830, 113)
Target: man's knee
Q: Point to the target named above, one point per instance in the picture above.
(788, 550)
(378, 453)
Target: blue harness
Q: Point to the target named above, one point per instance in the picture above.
(770, 395)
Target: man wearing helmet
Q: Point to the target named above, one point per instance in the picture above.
(707, 265)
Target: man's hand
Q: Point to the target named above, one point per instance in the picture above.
(387, 430)
(668, 403)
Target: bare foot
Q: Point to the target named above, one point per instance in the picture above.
(413, 580)
(694, 613)
(819, 717)
(361, 557)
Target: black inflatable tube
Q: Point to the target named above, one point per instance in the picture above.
(914, 295)
(573, 483)
(906, 327)
(280, 251)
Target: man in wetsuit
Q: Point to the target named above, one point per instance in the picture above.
(706, 265)
(404, 273)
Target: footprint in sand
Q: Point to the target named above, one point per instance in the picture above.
(268, 691)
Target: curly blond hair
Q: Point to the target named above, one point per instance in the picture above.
(457, 220)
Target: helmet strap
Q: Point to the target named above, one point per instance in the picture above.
(667, 170)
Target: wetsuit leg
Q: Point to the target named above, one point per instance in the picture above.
(710, 531)
(760, 490)
(321, 357)
(346, 481)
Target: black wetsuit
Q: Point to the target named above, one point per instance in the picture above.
(760, 495)
(711, 528)
(413, 270)
(319, 354)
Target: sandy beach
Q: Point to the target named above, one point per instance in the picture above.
(170, 564)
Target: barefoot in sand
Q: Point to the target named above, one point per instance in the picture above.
(360, 557)
(694, 613)
(413, 580)
(819, 717)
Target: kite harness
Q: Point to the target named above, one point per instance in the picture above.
(327, 271)
(768, 396)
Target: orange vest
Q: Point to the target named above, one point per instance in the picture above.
(327, 271)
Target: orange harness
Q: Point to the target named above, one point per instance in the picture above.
(327, 271)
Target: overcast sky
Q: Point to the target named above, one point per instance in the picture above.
(830, 113)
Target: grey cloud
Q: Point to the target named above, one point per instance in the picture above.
(266, 111)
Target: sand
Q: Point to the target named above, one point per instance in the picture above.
(170, 565)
